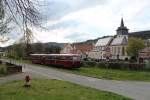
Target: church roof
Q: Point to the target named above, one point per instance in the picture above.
(122, 23)
(103, 41)
(119, 41)
(122, 26)
(122, 29)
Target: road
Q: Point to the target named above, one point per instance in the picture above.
(131, 89)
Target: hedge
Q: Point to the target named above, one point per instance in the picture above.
(117, 65)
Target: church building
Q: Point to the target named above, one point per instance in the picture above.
(112, 47)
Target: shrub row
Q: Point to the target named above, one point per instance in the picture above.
(117, 65)
(2, 70)
(9, 68)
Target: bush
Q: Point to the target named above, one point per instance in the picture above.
(122, 65)
(118, 65)
(89, 63)
(147, 65)
(2, 70)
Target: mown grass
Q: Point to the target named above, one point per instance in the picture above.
(113, 74)
(53, 90)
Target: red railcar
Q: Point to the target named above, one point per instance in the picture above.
(60, 60)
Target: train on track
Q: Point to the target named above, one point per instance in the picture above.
(59, 60)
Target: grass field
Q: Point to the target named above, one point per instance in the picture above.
(112, 74)
(53, 90)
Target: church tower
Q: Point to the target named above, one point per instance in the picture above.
(122, 30)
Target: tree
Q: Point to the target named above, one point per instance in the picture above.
(135, 45)
(24, 13)
(16, 51)
(4, 24)
(28, 40)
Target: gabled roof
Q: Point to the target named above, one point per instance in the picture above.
(119, 41)
(104, 41)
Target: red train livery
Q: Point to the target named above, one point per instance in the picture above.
(59, 60)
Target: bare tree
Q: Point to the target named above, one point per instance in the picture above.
(4, 24)
(24, 13)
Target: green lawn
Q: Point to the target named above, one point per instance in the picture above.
(112, 74)
(53, 90)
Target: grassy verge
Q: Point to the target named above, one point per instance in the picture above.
(53, 90)
(113, 74)
(105, 73)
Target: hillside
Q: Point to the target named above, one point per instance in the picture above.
(92, 41)
(141, 34)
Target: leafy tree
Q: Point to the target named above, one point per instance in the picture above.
(134, 46)
(16, 51)
(37, 48)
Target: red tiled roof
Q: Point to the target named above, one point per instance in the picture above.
(82, 47)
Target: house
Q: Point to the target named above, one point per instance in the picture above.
(112, 47)
(148, 42)
(101, 48)
(145, 53)
(67, 49)
(82, 49)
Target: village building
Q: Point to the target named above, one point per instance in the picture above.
(112, 47)
(119, 43)
(82, 49)
(145, 53)
(148, 42)
(101, 49)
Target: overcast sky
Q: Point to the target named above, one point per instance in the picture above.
(79, 20)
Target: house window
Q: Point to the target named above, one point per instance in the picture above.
(118, 50)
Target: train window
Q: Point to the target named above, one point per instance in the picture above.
(69, 58)
(75, 58)
(50, 57)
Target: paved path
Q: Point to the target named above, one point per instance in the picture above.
(135, 90)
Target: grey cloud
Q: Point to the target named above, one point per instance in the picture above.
(56, 9)
(64, 24)
(76, 36)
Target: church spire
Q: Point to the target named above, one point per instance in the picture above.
(122, 23)
(122, 30)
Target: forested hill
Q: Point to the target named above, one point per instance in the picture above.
(141, 34)
(92, 41)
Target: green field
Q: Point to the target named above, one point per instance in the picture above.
(112, 74)
(53, 90)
